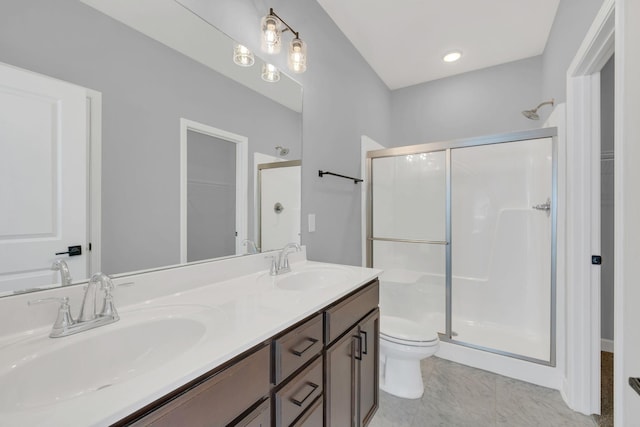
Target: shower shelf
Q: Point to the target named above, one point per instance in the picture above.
(355, 180)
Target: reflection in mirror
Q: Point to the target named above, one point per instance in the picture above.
(280, 203)
(214, 213)
(85, 95)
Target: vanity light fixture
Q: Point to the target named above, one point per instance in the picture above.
(272, 29)
(452, 56)
(270, 73)
(242, 56)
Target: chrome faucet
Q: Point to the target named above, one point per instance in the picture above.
(88, 307)
(281, 264)
(65, 276)
(88, 318)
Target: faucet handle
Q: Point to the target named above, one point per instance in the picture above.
(108, 307)
(64, 319)
(273, 270)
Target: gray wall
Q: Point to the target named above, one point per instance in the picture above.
(607, 196)
(343, 99)
(482, 102)
(146, 88)
(572, 21)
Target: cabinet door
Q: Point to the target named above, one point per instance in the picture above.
(369, 329)
(341, 380)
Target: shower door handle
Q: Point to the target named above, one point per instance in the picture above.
(546, 206)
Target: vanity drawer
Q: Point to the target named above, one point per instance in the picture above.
(294, 349)
(218, 400)
(299, 394)
(259, 417)
(342, 316)
(313, 417)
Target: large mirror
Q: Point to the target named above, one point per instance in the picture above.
(129, 135)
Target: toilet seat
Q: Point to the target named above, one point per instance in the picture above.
(407, 332)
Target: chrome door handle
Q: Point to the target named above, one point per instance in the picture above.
(546, 206)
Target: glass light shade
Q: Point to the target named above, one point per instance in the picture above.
(297, 56)
(270, 73)
(271, 35)
(243, 56)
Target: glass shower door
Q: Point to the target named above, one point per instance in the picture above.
(501, 204)
(408, 235)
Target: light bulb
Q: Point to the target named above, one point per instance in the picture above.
(243, 56)
(271, 35)
(297, 56)
(270, 73)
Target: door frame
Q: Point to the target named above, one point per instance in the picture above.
(242, 143)
(581, 386)
(94, 177)
(366, 144)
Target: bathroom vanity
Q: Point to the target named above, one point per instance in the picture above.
(298, 349)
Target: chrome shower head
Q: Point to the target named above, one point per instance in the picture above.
(282, 151)
(533, 114)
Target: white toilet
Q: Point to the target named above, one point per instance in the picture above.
(403, 344)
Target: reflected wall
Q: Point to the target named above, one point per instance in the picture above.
(146, 87)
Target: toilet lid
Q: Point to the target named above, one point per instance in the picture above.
(404, 329)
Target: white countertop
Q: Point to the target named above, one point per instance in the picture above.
(239, 313)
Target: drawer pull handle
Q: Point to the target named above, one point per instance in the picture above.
(300, 351)
(312, 387)
(366, 345)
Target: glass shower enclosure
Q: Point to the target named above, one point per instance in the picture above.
(465, 233)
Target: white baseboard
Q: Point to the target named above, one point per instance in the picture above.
(606, 345)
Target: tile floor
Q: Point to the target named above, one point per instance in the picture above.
(459, 396)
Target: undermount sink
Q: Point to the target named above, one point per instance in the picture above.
(307, 278)
(44, 373)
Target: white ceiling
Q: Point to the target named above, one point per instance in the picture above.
(404, 40)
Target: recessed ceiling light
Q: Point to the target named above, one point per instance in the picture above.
(452, 56)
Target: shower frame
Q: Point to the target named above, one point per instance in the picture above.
(447, 146)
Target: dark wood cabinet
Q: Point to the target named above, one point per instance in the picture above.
(298, 395)
(368, 375)
(323, 371)
(259, 417)
(295, 348)
(216, 400)
(351, 361)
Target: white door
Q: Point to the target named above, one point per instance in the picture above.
(43, 156)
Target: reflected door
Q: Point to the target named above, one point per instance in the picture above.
(408, 235)
(211, 197)
(43, 178)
